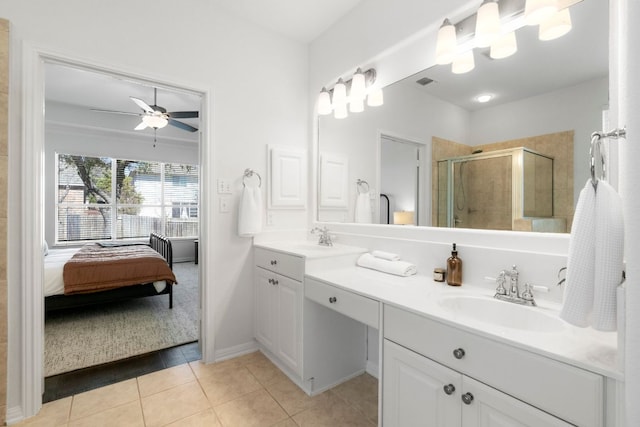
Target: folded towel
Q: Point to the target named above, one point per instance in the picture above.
(595, 260)
(250, 212)
(363, 212)
(386, 255)
(399, 268)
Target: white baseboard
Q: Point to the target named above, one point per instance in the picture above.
(372, 369)
(235, 351)
(14, 415)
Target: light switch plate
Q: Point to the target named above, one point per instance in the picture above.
(224, 186)
(224, 203)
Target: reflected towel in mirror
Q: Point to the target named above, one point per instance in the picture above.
(363, 212)
(595, 260)
(398, 268)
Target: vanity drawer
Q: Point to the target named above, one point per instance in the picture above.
(569, 393)
(288, 265)
(357, 307)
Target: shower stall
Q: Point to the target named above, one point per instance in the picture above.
(497, 190)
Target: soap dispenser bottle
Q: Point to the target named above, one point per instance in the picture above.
(454, 268)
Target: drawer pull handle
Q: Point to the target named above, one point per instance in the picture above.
(274, 262)
(458, 353)
(333, 299)
(449, 389)
(275, 281)
(467, 398)
(271, 281)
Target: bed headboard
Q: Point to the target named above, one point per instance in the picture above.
(162, 245)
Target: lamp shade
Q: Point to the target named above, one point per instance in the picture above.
(375, 98)
(487, 24)
(358, 86)
(463, 63)
(324, 102)
(556, 26)
(356, 105)
(340, 111)
(505, 45)
(155, 121)
(446, 43)
(340, 95)
(403, 217)
(536, 11)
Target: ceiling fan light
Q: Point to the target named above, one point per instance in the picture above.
(324, 102)
(358, 86)
(556, 26)
(446, 43)
(155, 121)
(463, 63)
(504, 46)
(487, 23)
(375, 98)
(536, 11)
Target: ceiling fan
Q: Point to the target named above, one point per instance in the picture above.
(157, 117)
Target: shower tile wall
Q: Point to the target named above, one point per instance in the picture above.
(4, 135)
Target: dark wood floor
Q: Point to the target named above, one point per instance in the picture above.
(70, 383)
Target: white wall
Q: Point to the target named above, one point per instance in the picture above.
(257, 83)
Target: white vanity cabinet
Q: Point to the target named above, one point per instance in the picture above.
(278, 305)
(422, 356)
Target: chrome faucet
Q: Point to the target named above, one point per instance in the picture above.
(513, 293)
(324, 238)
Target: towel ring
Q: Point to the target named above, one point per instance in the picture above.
(596, 142)
(249, 173)
(360, 182)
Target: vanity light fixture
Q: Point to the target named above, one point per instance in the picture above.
(556, 26)
(537, 11)
(446, 44)
(487, 23)
(352, 93)
(463, 63)
(505, 45)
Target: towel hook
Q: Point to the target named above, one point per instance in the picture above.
(362, 182)
(249, 173)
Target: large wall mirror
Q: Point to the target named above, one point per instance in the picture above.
(433, 155)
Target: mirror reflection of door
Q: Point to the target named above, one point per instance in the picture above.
(399, 181)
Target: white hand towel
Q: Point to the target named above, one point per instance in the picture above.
(578, 295)
(399, 268)
(386, 255)
(595, 262)
(608, 257)
(363, 212)
(250, 211)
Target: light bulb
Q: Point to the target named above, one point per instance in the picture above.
(487, 23)
(340, 111)
(358, 86)
(446, 43)
(375, 98)
(324, 102)
(505, 46)
(463, 63)
(556, 26)
(536, 11)
(155, 120)
(340, 95)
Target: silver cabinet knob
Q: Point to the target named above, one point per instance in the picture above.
(333, 299)
(449, 389)
(271, 281)
(458, 353)
(274, 262)
(467, 398)
(275, 281)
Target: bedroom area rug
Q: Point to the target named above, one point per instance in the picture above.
(79, 338)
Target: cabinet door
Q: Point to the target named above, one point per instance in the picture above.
(414, 390)
(288, 321)
(265, 308)
(492, 408)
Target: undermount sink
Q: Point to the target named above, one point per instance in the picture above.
(500, 313)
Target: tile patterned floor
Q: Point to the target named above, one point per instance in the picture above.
(242, 392)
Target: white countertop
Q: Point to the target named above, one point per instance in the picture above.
(310, 249)
(582, 347)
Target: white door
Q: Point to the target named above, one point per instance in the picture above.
(484, 406)
(265, 307)
(289, 300)
(418, 391)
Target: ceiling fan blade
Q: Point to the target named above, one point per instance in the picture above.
(184, 114)
(142, 104)
(115, 112)
(182, 125)
(141, 126)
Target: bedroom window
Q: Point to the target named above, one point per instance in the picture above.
(101, 198)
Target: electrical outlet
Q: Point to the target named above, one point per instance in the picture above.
(224, 186)
(224, 204)
(269, 218)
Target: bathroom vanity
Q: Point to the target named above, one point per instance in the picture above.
(448, 356)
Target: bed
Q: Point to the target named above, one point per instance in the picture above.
(100, 273)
